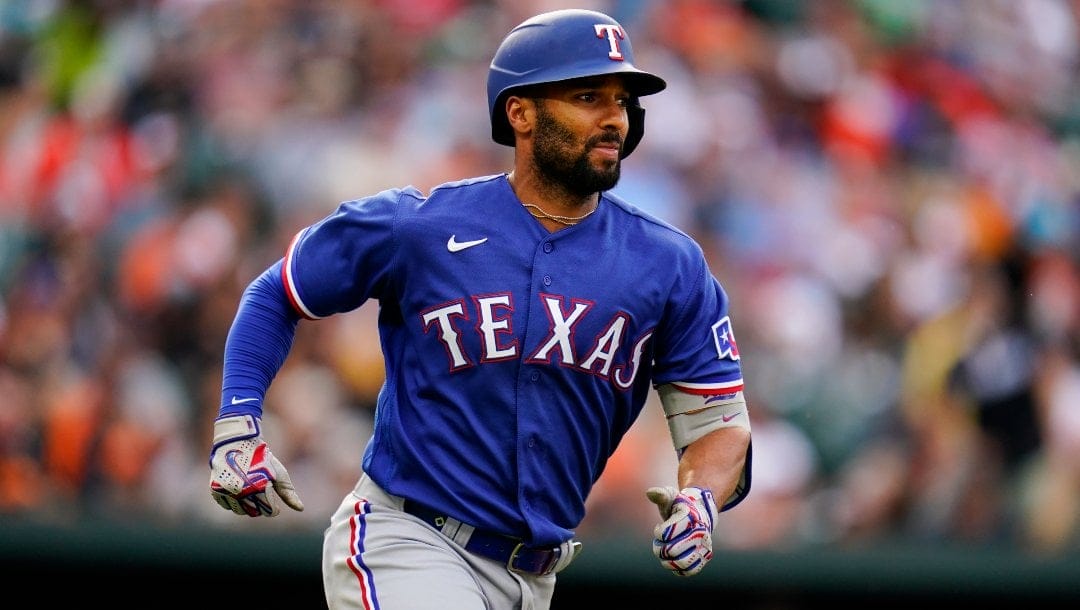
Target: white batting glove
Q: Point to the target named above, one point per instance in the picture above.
(244, 476)
(683, 541)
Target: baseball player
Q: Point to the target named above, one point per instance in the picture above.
(524, 319)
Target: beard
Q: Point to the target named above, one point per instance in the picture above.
(556, 161)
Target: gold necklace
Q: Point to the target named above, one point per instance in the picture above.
(563, 220)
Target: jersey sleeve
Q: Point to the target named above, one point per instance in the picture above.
(258, 342)
(696, 350)
(338, 263)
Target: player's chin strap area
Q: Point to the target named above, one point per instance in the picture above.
(511, 552)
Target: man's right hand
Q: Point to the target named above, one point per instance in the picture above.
(245, 477)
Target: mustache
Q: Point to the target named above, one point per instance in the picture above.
(606, 138)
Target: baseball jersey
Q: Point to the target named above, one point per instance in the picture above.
(515, 358)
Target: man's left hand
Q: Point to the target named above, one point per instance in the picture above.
(683, 541)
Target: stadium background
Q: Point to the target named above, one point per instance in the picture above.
(890, 192)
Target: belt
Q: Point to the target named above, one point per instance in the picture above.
(507, 550)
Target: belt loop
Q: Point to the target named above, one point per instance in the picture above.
(568, 551)
(457, 531)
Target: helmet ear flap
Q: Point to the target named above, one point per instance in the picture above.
(635, 115)
(501, 131)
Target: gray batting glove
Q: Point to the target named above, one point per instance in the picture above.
(683, 540)
(245, 477)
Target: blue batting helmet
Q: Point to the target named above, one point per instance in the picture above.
(561, 45)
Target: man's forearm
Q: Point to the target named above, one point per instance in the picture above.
(716, 461)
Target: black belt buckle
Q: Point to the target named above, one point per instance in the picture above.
(548, 558)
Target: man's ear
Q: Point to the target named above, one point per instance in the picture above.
(521, 114)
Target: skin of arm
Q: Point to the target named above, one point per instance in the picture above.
(715, 461)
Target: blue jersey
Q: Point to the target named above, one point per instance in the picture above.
(516, 359)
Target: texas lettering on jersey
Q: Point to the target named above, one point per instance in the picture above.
(494, 313)
(457, 295)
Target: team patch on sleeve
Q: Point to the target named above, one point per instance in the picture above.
(724, 338)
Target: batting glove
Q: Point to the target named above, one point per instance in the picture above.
(683, 541)
(244, 476)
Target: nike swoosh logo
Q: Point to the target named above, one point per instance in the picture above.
(240, 401)
(232, 460)
(457, 246)
(728, 418)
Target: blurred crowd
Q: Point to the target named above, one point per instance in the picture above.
(889, 192)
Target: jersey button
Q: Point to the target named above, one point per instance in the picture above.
(548, 247)
(535, 376)
(547, 280)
